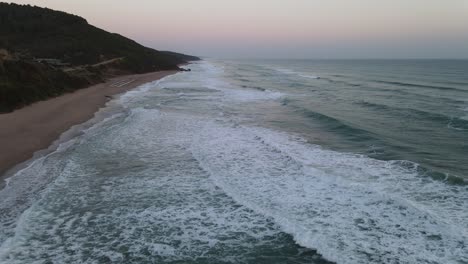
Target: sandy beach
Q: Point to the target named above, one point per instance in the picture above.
(37, 126)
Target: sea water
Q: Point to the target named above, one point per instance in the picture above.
(300, 161)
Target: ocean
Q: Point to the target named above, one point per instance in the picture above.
(257, 161)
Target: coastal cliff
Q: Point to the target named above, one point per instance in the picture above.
(46, 53)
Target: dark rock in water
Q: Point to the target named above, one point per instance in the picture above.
(186, 70)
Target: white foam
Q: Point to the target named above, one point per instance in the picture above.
(204, 75)
(141, 90)
(351, 208)
(292, 72)
(28, 184)
(309, 76)
(134, 193)
(212, 78)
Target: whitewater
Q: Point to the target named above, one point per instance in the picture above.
(217, 166)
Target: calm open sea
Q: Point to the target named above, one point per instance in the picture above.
(300, 161)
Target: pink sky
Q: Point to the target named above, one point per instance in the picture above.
(280, 28)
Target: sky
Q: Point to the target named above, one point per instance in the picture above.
(284, 28)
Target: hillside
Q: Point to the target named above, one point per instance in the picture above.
(45, 53)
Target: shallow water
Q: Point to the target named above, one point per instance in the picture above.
(257, 162)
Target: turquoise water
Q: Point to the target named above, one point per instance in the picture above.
(257, 162)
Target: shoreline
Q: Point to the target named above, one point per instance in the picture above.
(33, 129)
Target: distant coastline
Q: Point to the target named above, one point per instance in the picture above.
(35, 127)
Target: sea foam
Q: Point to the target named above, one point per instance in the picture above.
(351, 208)
(292, 72)
(177, 177)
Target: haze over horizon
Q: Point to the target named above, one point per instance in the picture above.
(284, 29)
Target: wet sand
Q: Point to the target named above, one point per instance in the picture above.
(35, 127)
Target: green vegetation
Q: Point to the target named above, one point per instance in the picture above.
(23, 82)
(29, 33)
